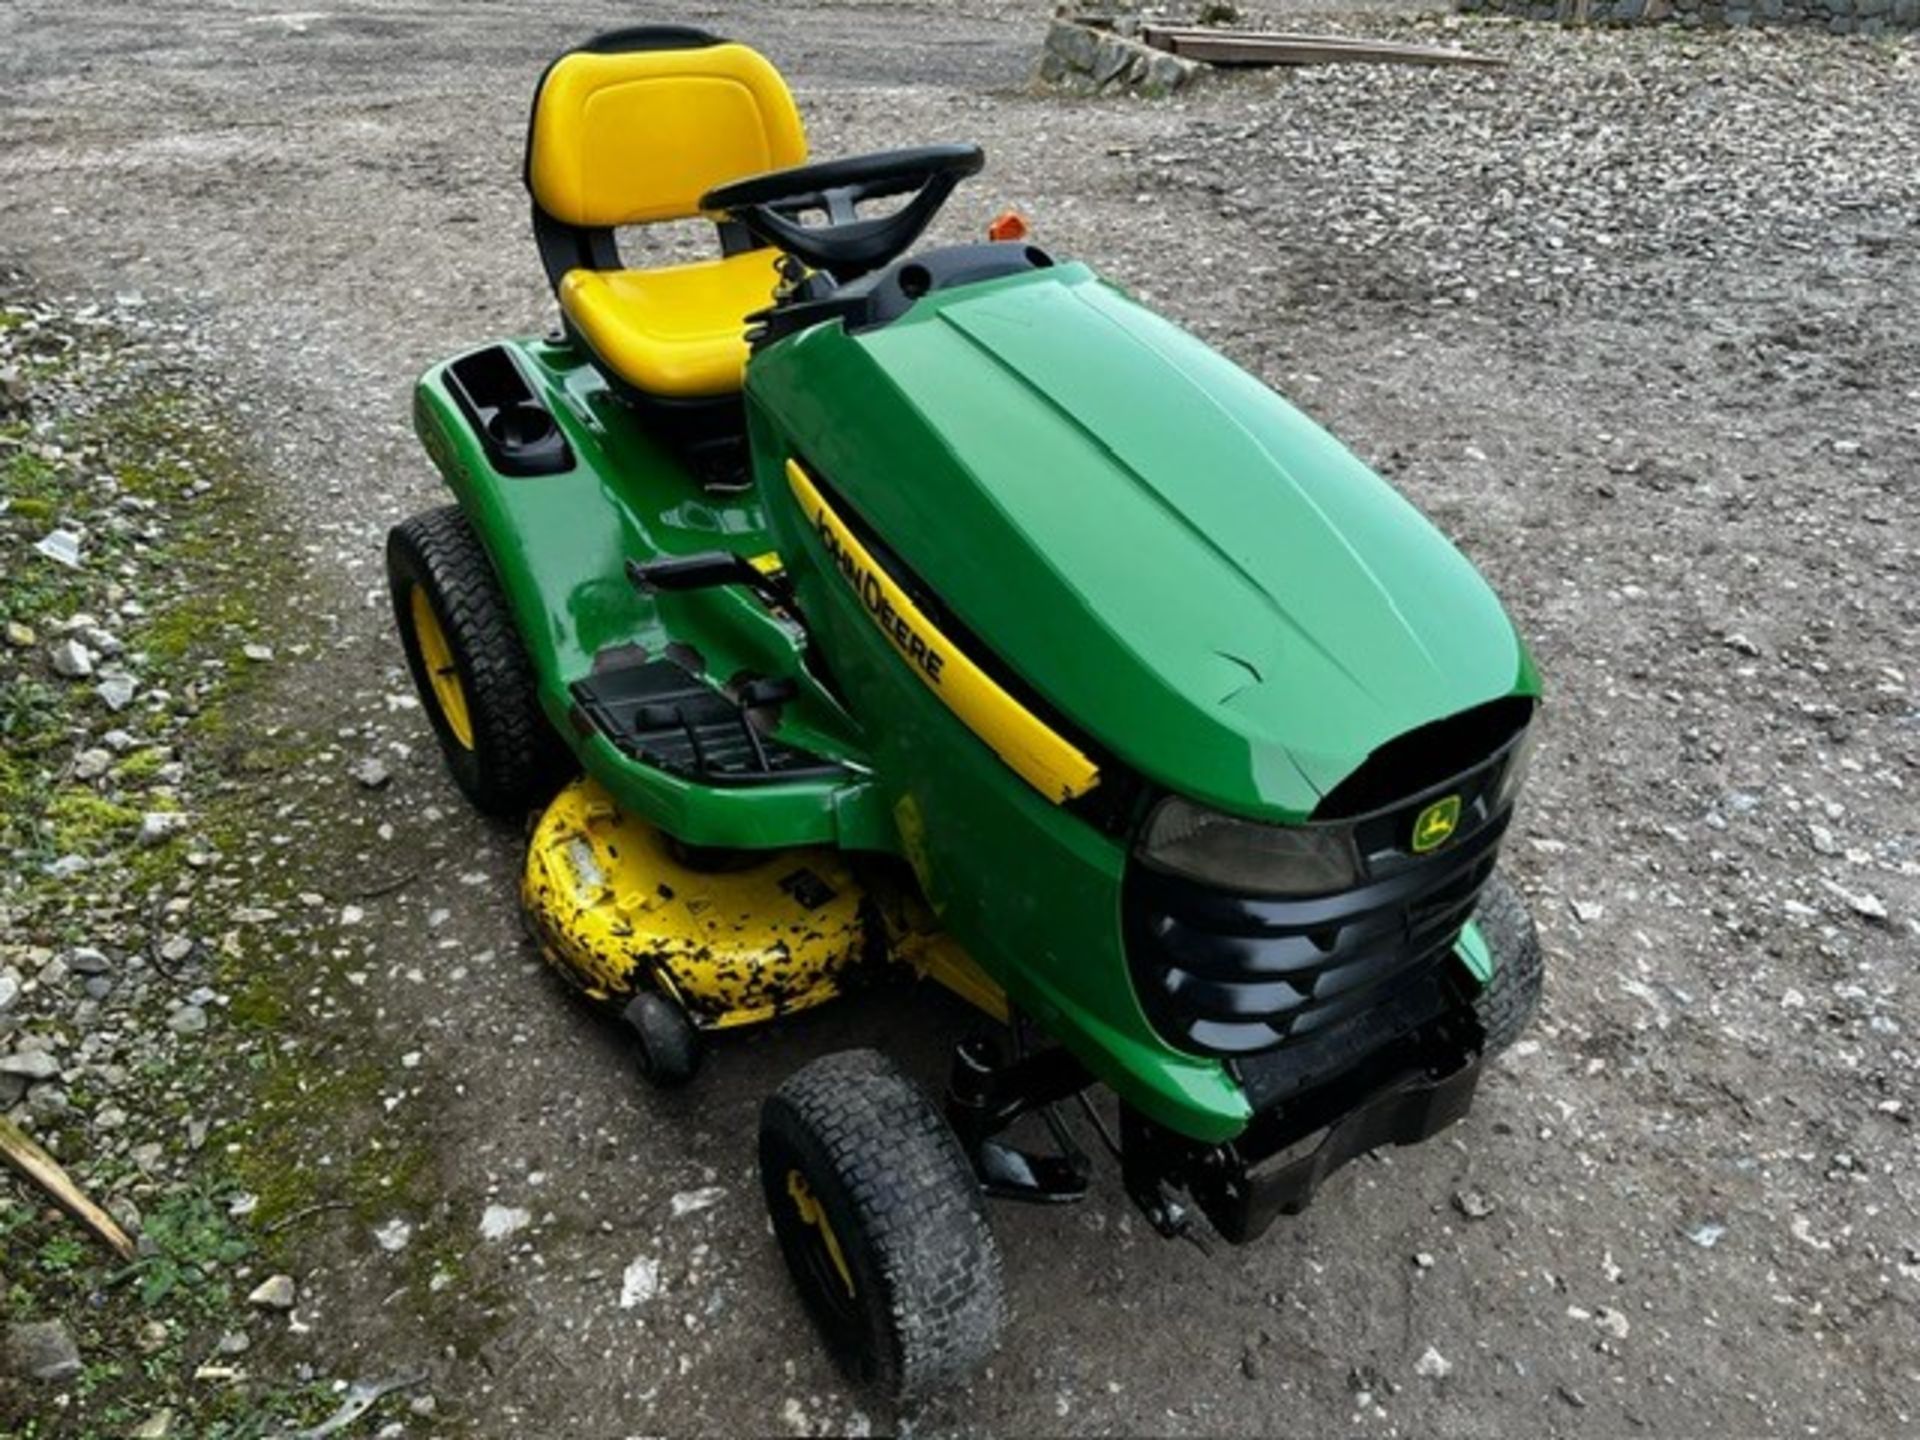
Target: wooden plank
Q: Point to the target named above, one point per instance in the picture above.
(1250, 47)
(43, 1170)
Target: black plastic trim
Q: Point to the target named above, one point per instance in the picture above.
(1401, 1093)
(1244, 1193)
(566, 247)
(659, 714)
(1428, 757)
(884, 296)
(513, 425)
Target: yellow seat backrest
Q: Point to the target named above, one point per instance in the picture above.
(633, 136)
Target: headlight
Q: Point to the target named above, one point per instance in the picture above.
(1246, 856)
(1516, 772)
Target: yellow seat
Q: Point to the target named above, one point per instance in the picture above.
(632, 129)
(675, 331)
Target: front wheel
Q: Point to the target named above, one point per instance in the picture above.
(1505, 1006)
(665, 1041)
(469, 665)
(881, 1223)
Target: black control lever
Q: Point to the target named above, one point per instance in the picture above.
(710, 569)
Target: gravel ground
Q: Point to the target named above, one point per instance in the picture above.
(1633, 319)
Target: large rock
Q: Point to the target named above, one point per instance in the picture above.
(1086, 58)
(1074, 44)
(1166, 73)
(1115, 58)
(42, 1350)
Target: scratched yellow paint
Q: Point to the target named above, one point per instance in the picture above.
(615, 911)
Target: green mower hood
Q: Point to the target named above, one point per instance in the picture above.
(1186, 568)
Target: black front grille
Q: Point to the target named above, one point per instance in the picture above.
(1235, 975)
(1325, 979)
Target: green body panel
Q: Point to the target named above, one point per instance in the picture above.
(1186, 567)
(559, 545)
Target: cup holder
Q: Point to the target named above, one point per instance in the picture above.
(521, 427)
(519, 434)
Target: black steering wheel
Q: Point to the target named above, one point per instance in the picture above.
(845, 245)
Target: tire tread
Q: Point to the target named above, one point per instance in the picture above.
(917, 1205)
(1506, 1005)
(516, 758)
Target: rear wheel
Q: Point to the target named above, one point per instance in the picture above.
(882, 1224)
(1507, 1003)
(469, 665)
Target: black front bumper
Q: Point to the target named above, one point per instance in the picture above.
(1242, 1200)
(1410, 1088)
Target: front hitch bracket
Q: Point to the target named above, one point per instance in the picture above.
(986, 1096)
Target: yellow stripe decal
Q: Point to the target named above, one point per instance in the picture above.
(1042, 758)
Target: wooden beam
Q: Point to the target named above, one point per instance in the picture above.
(1250, 47)
(43, 1170)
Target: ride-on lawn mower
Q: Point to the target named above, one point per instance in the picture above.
(950, 613)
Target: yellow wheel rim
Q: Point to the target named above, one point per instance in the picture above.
(813, 1213)
(437, 655)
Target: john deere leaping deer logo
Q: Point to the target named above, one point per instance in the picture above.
(1436, 824)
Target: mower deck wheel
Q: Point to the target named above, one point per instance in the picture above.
(469, 665)
(667, 1044)
(1505, 1007)
(882, 1224)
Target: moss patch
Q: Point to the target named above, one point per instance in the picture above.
(81, 823)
